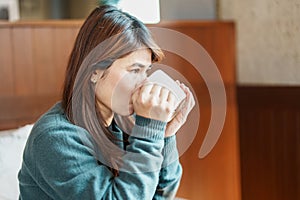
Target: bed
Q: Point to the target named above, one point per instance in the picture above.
(33, 57)
(12, 143)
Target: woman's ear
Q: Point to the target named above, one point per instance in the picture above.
(95, 76)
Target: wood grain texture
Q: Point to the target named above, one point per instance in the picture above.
(23, 63)
(63, 43)
(43, 54)
(6, 62)
(216, 176)
(270, 138)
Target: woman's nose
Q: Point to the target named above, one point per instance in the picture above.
(142, 80)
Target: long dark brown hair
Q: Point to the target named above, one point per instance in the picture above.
(106, 35)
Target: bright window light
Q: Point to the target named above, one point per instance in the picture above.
(12, 7)
(145, 10)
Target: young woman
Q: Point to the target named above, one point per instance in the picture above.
(77, 150)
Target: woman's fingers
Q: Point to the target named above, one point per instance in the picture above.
(154, 101)
(181, 116)
(146, 89)
(187, 105)
(171, 99)
(164, 93)
(189, 95)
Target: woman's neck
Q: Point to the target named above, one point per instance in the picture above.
(106, 113)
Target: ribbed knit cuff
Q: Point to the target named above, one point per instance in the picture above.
(148, 128)
(170, 152)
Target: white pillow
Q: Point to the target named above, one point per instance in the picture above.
(12, 143)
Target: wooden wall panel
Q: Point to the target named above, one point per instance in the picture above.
(6, 62)
(270, 142)
(224, 37)
(43, 55)
(203, 37)
(23, 64)
(216, 176)
(63, 43)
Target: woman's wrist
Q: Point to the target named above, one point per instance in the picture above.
(148, 128)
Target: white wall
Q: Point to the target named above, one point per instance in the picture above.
(187, 9)
(268, 40)
(12, 7)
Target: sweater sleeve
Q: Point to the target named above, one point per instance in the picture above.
(170, 173)
(65, 169)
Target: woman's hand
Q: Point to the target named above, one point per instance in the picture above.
(153, 101)
(180, 118)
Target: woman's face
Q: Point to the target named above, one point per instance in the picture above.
(114, 90)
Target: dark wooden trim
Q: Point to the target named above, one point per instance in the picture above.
(269, 96)
(269, 127)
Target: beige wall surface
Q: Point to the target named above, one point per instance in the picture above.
(268, 40)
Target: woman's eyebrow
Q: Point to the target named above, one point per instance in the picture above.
(140, 65)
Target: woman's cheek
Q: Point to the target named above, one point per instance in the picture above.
(122, 92)
(131, 82)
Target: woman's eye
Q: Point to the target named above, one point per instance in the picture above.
(135, 71)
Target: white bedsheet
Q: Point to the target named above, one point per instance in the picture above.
(12, 143)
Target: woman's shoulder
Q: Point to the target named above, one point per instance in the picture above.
(55, 124)
(53, 138)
